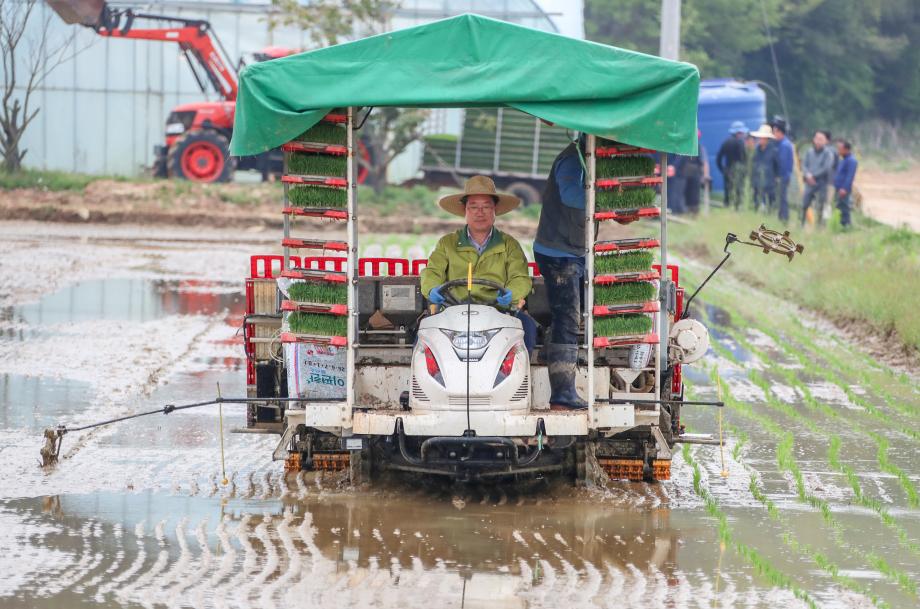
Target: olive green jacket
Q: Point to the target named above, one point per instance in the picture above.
(502, 261)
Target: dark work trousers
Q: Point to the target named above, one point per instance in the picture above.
(692, 194)
(764, 199)
(529, 325)
(843, 204)
(734, 185)
(784, 200)
(816, 194)
(564, 279)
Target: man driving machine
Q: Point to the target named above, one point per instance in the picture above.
(495, 256)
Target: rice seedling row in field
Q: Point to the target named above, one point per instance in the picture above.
(869, 503)
(633, 197)
(611, 264)
(786, 462)
(788, 538)
(760, 563)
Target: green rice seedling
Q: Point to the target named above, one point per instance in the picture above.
(625, 166)
(625, 293)
(317, 323)
(622, 325)
(324, 133)
(309, 195)
(317, 164)
(633, 197)
(319, 291)
(611, 264)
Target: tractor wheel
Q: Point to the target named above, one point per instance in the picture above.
(525, 192)
(201, 156)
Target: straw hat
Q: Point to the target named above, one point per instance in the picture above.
(478, 185)
(764, 131)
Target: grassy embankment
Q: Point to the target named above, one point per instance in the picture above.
(869, 275)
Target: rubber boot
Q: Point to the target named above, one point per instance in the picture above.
(561, 362)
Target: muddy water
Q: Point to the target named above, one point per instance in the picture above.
(136, 515)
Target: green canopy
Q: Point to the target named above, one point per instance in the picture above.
(474, 61)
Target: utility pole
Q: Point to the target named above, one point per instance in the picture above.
(670, 30)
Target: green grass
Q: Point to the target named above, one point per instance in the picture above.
(317, 164)
(319, 291)
(317, 323)
(624, 293)
(324, 133)
(622, 325)
(49, 180)
(860, 275)
(626, 262)
(625, 166)
(624, 198)
(317, 196)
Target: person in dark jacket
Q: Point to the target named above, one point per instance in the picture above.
(764, 169)
(843, 180)
(695, 170)
(731, 161)
(786, 152)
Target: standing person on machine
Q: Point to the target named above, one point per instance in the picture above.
(559, 251)
(495, 256)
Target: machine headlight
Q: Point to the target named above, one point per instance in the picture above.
(474, 341)
(175, 128)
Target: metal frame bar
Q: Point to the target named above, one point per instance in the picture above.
(351, 269)
(664, 289)
(496, 156)
(589, 271)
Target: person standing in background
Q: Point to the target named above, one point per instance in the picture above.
(764, 169)
(816, 171)
(696, 171)
(730, 160)
(843, 180)
(786, 155)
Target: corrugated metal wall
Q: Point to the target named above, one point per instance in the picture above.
(103, 111)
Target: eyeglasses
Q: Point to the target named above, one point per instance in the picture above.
(480, 209)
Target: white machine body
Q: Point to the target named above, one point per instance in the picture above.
(499, 366)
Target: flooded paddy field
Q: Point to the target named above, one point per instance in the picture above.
(819, 507)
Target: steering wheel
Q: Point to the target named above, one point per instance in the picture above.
(451, 300)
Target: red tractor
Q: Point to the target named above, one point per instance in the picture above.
(198, 134)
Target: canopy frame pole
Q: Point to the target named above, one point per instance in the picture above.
(589, 274)
(286, 220)
(352, 272)
(664, 284)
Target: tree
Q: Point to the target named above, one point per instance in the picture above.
(28, 57)
(387, 131)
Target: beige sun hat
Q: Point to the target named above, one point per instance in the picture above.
(764, 131)
(478, 185)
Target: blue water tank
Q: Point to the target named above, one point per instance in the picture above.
(722, 102)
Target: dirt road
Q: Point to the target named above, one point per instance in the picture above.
(819, 507)
(891, 197)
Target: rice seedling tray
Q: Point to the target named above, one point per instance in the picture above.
(606, 149)
(315, 148)
(631, 293)
(628, 214)
(633, 324)
(601, 342)
(316, 212)
(625, 198)
(628, 181)
(290, 306)
(311, 195)
(626, 309)
(317, 292)
(626, 277)
(314, 180)
(302, 163)
(294, 337)
(620, 245)
(315, 324)
(315, 275)
(315, 244)
(614, 263)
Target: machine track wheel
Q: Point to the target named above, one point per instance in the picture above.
(201, 156)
